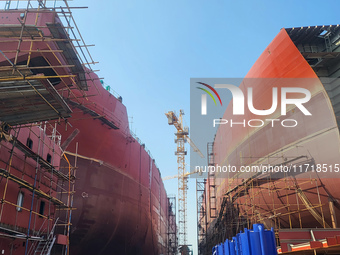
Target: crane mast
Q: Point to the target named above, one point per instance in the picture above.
(180, 140)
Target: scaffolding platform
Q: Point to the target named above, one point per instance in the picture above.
(43, 59)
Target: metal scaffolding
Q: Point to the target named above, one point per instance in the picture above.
(172, 229)
(32, 169)
(242, 205)
(44, 63)
(202, 222)
(41, 64)
(211, 182)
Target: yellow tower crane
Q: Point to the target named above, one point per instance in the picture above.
(181, 137)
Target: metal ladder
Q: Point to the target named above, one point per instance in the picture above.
(44, 247)
(211, 182)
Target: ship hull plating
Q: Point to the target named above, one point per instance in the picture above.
(296, 199)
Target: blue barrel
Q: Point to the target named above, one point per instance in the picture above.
(258, 241)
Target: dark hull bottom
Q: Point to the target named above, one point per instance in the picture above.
(113, 213)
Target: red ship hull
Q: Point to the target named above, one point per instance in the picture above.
(302, 200)
(119, 204)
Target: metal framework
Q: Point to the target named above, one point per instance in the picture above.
(45, 184)
(319, 45)
(41, 64)
(211, 182)
(202, 222)
(172, 230)
(242, 205)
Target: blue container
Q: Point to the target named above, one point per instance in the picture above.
(237, 244)
(232, 248)
(226, 247)
(229, 247)
(220, 249)
(258, 241)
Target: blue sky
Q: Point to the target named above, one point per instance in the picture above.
(148, 50)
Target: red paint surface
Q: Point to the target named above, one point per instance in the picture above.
(316, 137)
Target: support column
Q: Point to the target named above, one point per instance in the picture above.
(332, 211)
